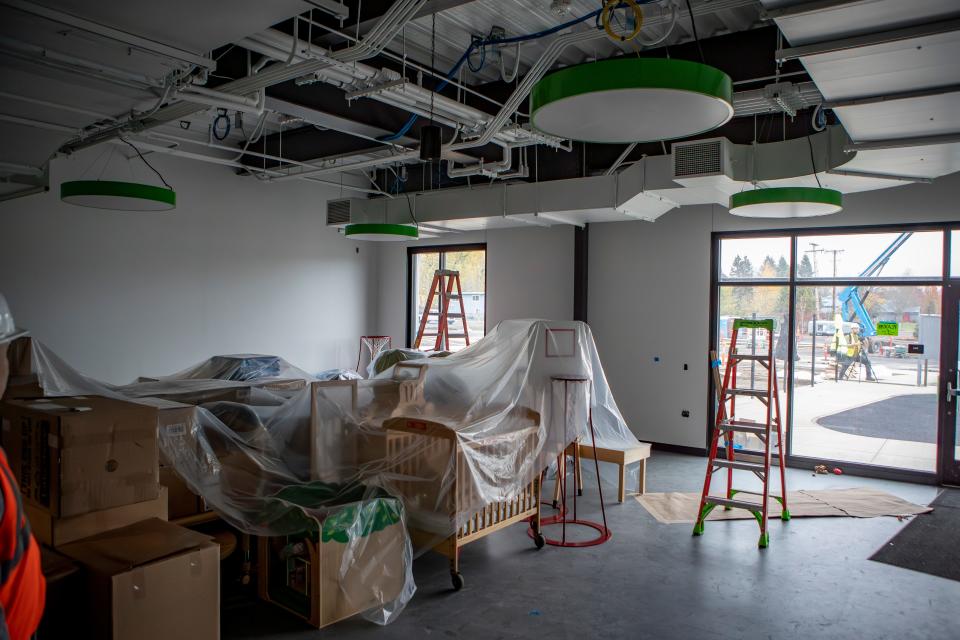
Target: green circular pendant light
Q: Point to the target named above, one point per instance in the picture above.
(786, 202)
(118, 196)
(632, 100)
(381, 231)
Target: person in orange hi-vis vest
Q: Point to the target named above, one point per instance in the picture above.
(22, 587)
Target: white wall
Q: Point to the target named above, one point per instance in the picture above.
(649, 296)
(529, 275)
(239, 266)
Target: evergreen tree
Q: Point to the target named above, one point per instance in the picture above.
(806, 267)
(783, 268)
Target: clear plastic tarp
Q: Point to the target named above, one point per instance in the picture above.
(388, 466)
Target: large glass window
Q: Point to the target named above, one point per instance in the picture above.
(916, 254)
(470, 262)
(756, 303)
(754, 258)
(865, 385)
(863, 314)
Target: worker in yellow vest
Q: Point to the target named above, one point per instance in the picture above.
(856, 351)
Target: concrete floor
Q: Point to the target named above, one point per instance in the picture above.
(657, 581)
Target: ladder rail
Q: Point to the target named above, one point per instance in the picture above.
(727, 424)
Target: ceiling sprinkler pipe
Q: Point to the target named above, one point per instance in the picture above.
(489, 169)
(387, 28)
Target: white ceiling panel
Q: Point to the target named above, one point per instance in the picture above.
(927, 116)
(187, 24)
(930, 161)
(882, 69)
(856, 17)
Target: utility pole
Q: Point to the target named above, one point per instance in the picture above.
(814, 249)
(834, 298)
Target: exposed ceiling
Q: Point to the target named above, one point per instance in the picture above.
(75, 73)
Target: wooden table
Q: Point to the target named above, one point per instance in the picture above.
(619, 457)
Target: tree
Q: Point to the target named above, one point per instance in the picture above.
(783, 268)
(768, 268)
(806, 296)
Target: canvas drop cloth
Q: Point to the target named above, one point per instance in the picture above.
(856, 502)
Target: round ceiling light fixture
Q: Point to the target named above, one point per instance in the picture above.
(381, 232)
(118, 196)
(632, 100)
(786, 202)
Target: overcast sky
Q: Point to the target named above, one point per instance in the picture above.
(921, 255)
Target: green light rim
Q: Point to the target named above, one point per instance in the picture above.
(114, 189)
(634, 73)
(790, 195)
(382, 229)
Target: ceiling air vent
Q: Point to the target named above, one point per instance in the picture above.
(699, 158)
(338, 212)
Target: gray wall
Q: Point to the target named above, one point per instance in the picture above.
(529, 275)
(649, 296)
(239, 266)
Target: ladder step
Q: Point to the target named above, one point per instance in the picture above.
(446, 272)
(453, 296)
(754, 393)
(729, 502)
(750, 356)
(456, 335)
(449, 315)
(738, 464)
(744, 427)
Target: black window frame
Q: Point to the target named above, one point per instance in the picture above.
(442, 249)
(793, 282)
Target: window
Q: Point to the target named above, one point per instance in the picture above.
(754, 258)
(856, 344)
(871, 255)
(470, 261)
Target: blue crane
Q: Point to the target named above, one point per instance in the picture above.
(851, 302)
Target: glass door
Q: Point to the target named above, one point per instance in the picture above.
(949, 405)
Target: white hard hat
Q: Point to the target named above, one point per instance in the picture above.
(8, 330)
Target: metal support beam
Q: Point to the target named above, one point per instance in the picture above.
(869, 40)
(892, 97)
(13, 195)
(902, 143)
(138, 42)
(881, 176)
(806, 8)
(36, 124)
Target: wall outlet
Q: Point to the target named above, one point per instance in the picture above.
(685, 413)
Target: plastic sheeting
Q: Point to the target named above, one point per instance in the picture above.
(440, 437)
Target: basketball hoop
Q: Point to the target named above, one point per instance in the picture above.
(374, 345)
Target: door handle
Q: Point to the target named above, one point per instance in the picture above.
(951, 391)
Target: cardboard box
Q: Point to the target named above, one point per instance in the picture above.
(60, 609)
(182, 502)
(337, 575)
(151, 580)
(56, 532)
(76, 455)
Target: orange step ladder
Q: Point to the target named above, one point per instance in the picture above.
(727, 424)
(444, 288)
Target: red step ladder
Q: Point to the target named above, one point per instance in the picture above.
(444, 288)
(727, 424)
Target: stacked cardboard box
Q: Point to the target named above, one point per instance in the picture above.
(88, 470)
(83, 464)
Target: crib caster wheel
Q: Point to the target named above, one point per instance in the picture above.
(539, 540)
(457, 580)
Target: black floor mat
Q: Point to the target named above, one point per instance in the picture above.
(929, 543)
(910, 417)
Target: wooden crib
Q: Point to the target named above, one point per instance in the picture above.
(419, 454)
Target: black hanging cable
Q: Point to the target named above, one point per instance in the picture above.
(812, 162)
(693, 25)
(147, 163)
